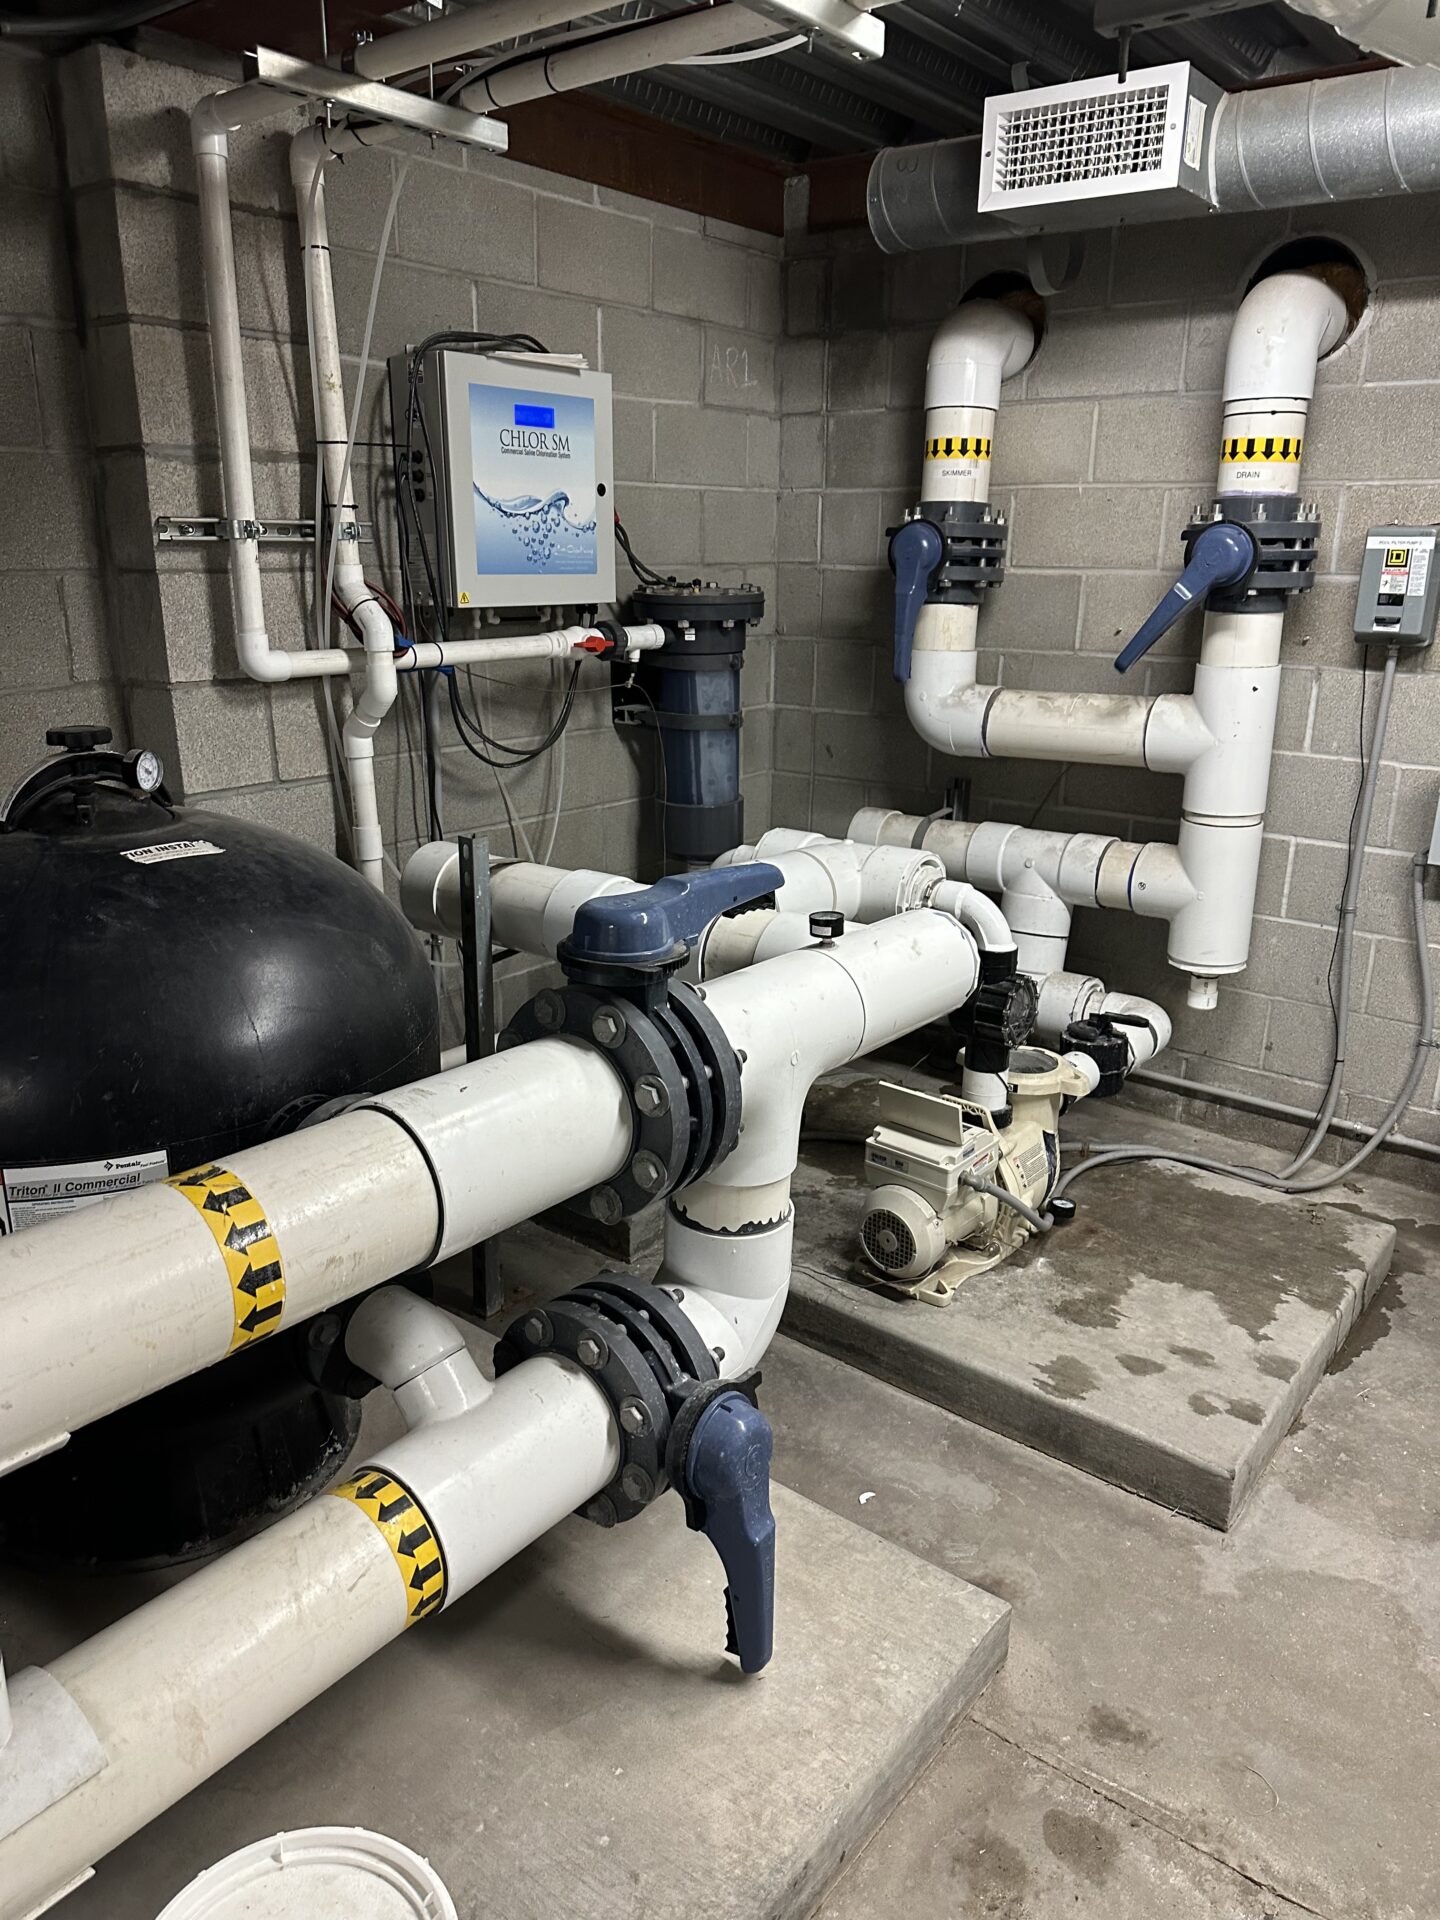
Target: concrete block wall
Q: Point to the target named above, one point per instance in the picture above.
(1102, 448)
(55, 653)
(684, 314)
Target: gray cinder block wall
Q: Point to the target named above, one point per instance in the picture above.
(54, 656)
(1102, 448)
(685, 314)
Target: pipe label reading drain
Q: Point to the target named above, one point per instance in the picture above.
(408, 1534)
(250, 1249)
(1286, 450)
(968, 446)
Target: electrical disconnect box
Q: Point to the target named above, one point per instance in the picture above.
(505, 479)
(1399, 592)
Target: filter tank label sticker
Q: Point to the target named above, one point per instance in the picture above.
(29, 1196)
(533, 466)
(251, 1251)
(408, 1534)
(968, 447)
(169, 850)
(1286, 450)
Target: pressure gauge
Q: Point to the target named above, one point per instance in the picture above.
(146, 771)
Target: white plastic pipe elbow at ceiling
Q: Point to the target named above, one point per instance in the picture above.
(490, 1467)
(1218, 737)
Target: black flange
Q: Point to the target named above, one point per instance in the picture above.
(1002, 1012)
(974, 559)
(1102, 1041)
(677, 1067)
(646, 1357)
(1287, 540)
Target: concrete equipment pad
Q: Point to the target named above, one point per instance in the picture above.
(571, 1740)
(1165, 1340)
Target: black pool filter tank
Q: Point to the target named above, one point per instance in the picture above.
(178, 986)
(690, 690)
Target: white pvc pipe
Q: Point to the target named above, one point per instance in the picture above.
(378, 693)
(1219, 736)
(252, 641)
(178, 1688)
(442, 42)
(324, 1588)
(862, 882)
(587, 64)
(350, 1203)
(416, 1350)
(563, 643)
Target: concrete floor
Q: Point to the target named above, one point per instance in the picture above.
(1165, 1340)
(1189, 1723)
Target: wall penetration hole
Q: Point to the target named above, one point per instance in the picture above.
(1011, 290)
(1329, 260)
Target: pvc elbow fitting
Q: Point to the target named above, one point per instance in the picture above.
(976, 347)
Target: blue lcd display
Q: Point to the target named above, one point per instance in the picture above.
(534, 416)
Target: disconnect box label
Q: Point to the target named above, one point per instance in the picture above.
(29, 1196)
(533, 460)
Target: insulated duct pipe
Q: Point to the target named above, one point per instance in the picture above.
(1313, 142)
(1219, 736)
(489, 1469)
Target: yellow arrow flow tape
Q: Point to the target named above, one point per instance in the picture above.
(408, 1534)
(1273, 449)
(968, 447)
(250, 1250)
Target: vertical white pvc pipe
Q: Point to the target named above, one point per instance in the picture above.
(1281, 329)
(257, 657)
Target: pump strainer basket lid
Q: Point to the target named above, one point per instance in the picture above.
(317, 1873)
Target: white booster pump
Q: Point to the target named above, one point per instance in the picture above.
(956, 1187)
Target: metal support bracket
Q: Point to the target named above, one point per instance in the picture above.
(205, 528)
(849, 29)
(373, 100)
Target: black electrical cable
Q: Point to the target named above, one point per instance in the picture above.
(662, 785)
(642, 570)
(483, 747)
(1350, 849)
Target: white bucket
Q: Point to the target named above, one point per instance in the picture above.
(317, 1873)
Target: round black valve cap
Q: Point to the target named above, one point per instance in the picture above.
(827, 926)
(77, 739)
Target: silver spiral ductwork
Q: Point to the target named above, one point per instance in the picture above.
(1357, 137)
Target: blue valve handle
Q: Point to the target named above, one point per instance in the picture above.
(1220, 556)
(658, 925)
(916, 550)
(727, 1473)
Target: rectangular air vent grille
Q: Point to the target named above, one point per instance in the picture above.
(1115, 136)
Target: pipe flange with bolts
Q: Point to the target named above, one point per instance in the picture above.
(643, 1352)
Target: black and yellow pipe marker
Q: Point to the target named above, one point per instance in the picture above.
(1269, 449)
(406, 1529)
(249, 1248)
(967, 446)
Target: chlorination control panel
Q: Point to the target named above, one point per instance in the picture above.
(1399, 593)
(506, 479)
